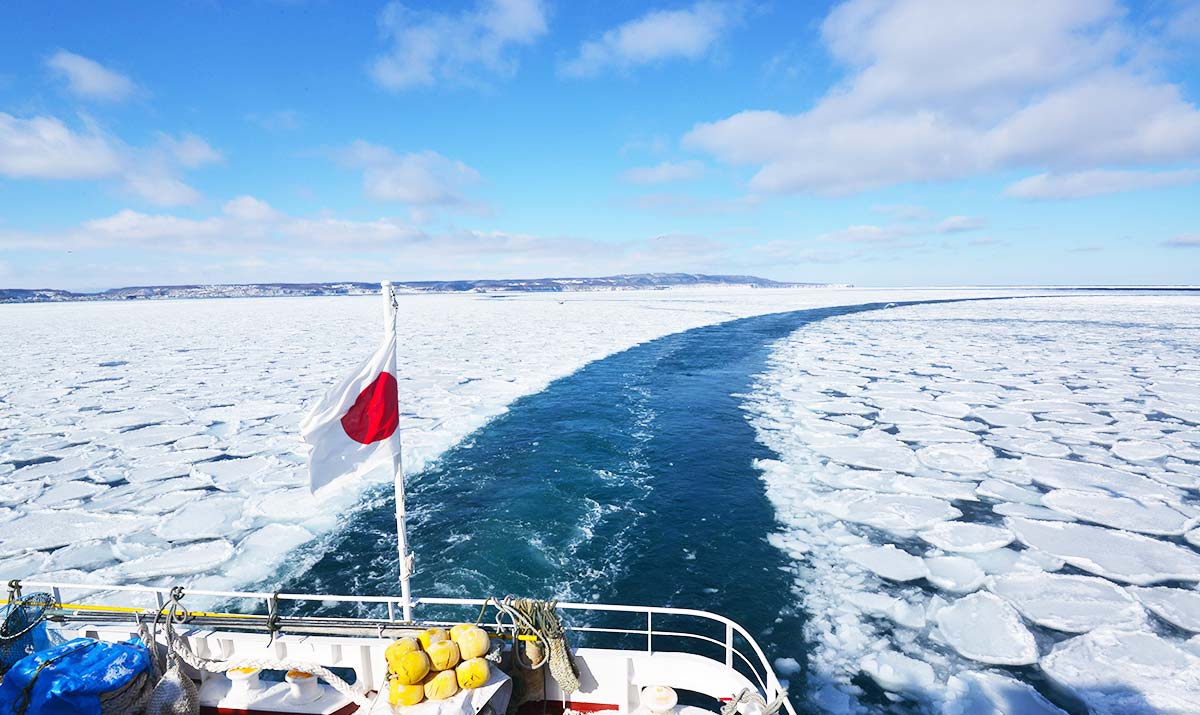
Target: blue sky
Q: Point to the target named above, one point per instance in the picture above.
(873, 142)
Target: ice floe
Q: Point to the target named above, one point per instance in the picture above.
(1118, 555)
(988, 693)
(889, 562)
(967, 537)
(892, 512)
(1177, 606)
(96, 442)
(899, 611)
(899, 673)
(1070, 420)
(1072, 604)
(987, 629)
(1118, 672)
(1146, 517)
(956, 574)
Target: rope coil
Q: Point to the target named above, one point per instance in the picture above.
(753, 699)
(540, 618)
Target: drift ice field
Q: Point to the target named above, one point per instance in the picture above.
(981, 506)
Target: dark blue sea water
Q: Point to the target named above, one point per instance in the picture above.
(630, 481)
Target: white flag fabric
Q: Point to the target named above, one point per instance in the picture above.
(352, 429)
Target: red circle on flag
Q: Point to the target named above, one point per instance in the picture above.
(376, 413)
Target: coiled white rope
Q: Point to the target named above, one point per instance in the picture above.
(752, 698)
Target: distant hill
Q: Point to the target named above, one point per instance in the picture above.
(517, 285)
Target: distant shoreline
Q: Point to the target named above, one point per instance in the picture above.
(639, 281)
(647, 281)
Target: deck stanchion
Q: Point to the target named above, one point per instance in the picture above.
(649, 632)
(729, 645)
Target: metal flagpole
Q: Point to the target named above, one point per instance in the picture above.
(406, 560)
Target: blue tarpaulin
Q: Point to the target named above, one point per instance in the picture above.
(69, 679)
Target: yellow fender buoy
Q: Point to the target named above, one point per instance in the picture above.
(440, 686)
(399, 648)
(472, 673)
(443, 654)
(401, 694)
(411, 667)
(430, 636)
(472, 642)
(456, 631)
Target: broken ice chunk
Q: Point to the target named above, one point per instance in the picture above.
(989, 693)
(179, 561)
(1176, 606)
(1030, 511)
(1119, 672)
(888, 561)
(1068, 603)
(1069, 474)
(957, 458)
(955, 574)
(203, 518)
(898, 673)
(1139, 451)
(911, 615)
(51, 529)
(1146, 517)
(903, 513)
(985, 628)
(966, 537)
(1007, 491)
(1113, 554)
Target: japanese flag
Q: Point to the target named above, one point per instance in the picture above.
(352, 429)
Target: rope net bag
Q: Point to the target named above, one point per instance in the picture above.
(20, 632)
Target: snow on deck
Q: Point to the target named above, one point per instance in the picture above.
(157, 440)
(970, 488)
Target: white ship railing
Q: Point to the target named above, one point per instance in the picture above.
(756, 662)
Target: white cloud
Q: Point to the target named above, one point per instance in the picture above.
(283, 120)
(903, 212)
(428, 47)
(330, 231)
(685, 205)
(250, 209)
(1189, 241)
(245, 223)
(682, 252)
(190, 150)
(131, 226)
(864, 234)
(940, 91)
(423, 178)
(666, 172)
(45, 148)
(883, 236)
(89, 79)
(654, 37)
(158, 186)
(152, 174)
(250, 240)
(958, 224)
(1095, 182)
